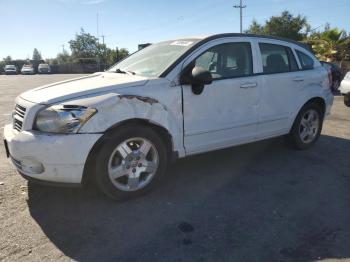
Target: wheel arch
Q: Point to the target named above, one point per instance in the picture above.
(317, 100)
(160, 130)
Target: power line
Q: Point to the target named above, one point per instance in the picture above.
(241, 7)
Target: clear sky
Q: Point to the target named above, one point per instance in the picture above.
(49, 24)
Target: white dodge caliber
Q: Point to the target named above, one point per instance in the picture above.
(173, 99)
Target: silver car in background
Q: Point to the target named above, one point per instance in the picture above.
(10, 70)
(27, 70)
(44, 69)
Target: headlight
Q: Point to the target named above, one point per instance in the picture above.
(63, 119)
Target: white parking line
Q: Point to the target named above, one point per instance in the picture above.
(5, 114)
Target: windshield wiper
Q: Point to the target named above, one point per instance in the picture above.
(119, 71)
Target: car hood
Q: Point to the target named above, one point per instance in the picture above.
(86, 85)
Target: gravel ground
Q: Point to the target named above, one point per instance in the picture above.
(257, 202)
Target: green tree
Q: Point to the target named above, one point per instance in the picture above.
(122, 53)
(328, 44)
(7, 59)
(110, 56)
(343, 53)
(63, 58)
(84, 45)
(86, 49)
(36, 55)
(255, 28)
(285, 25)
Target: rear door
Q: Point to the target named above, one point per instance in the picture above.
(281, 81)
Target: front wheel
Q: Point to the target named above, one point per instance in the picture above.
(130, 162)
(307, 127)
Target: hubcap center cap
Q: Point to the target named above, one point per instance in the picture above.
(134, 163)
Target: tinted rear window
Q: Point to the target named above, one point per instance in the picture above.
(306, 61)
(277, 58)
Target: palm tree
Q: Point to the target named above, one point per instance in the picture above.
(326, 44)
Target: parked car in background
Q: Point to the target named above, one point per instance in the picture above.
(44, 69)
(10, 70)
(345, 89)
(336, 72)
(27, 70)
(169, 100)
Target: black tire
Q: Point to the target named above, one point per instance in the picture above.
(347, 100)
(293, 138)
(111, 142)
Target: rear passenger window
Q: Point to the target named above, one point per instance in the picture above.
(277, 59)
(306, 61)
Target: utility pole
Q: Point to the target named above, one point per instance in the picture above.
(103, 39)
(98, 40)
(104, 52)
(241, 7)
(97, 25)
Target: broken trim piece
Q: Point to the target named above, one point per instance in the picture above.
(148, 100)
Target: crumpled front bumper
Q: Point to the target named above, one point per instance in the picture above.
(62, 157)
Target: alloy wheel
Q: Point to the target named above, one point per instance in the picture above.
(133, 164)
(309, 126)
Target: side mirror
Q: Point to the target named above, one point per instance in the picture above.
(199, 78)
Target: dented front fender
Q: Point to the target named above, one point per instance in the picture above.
(117, 108)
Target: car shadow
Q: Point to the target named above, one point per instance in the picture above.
(257, 202)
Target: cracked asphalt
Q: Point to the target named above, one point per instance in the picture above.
(257, 202)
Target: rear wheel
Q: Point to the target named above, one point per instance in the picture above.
(347, 100)
(130, 162)
(307, 127)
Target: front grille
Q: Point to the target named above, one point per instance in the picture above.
(18, 117)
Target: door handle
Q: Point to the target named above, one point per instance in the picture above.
(298, 79)
(249, 85)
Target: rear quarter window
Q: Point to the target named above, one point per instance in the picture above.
(306, 61)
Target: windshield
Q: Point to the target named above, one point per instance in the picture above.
(43, 65)
(154, 59)
(10, 67)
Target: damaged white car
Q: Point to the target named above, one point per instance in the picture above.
(173, 99)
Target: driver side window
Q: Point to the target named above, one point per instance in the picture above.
(227, 60)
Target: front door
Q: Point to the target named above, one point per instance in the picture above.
(225, 113)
